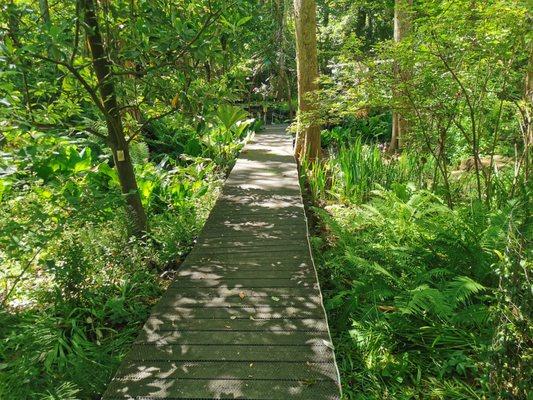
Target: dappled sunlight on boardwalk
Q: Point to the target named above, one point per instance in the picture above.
(244, 317)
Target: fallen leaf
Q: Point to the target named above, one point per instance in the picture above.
(387, 309)
(242, 295)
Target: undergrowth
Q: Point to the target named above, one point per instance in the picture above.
(76, 287)
(425, 301)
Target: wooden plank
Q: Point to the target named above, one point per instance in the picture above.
(242, 282)
(247, 266)
(248, 244)
(133, 370)
(304, 302)
(232, 337)
(244, 316)
(261, 312)
(224, 292)
(223, 388)
(258, 255)
(314, 352)
(168, 322)
(266, 232)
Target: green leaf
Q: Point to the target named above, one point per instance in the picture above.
(243, 20)
(230, 115)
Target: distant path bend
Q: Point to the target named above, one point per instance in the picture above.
(244, 318)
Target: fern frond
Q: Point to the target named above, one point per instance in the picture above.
(462, 288)
(139, 152)
(426, 300)
(475, 315)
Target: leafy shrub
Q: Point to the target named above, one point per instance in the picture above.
(372, 129)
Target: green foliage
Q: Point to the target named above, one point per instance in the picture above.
(425, 254)
(452, 117)
(77, 287)
(355, 169)
(375, 128)
(425, 257)
(417, 291)
(410, 313)
(229, 115)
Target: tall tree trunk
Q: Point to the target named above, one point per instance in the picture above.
(360, 26)
(280, 36)
(307, 138)
(402, 25)
(13, 18)
(45, 13)
(528, 127)
(283, 82)
(115, 129)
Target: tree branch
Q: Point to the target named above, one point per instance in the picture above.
(19, 277)
(78, 76)
(96, 133)
(149, 120)
(76, 34)
(210, 20)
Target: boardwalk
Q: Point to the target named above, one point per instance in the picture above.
(244, 319)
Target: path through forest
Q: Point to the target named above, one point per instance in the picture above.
(244, 319)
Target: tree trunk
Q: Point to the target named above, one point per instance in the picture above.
(45, 13)
(283, 71)
(279, 16)
(528, 127)
(308, 138)
(13, 18)
(402, 25)
(116, 138)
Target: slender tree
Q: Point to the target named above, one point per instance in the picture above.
(402, 25)
(308, 136)
(109, 107)
(279, 16)
(45, 12)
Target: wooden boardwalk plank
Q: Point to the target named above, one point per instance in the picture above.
(244, 317)
(206, 370)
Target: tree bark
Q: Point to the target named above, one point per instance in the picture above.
(402, 26)
(308, 137)
(528, 123)
(115, 129)
(45, 13)
(279, 17)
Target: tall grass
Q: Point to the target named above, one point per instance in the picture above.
(352, 172)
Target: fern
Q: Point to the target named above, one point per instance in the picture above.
(411, 277)
(476, 315)
(426, 300)
(462, 288)
(65, 391)
(139, 153)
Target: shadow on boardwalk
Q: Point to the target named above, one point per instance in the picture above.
(244, 318)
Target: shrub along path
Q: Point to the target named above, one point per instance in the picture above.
(244, 319)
